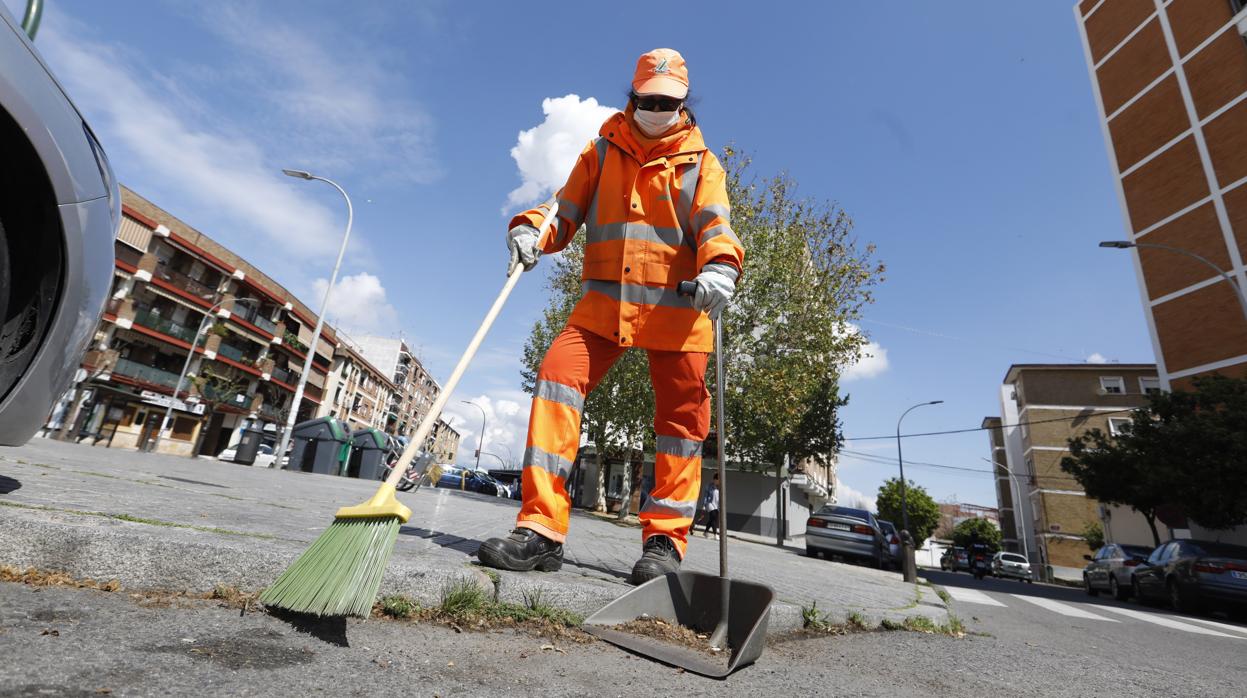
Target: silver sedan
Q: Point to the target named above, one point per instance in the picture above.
(60, 208)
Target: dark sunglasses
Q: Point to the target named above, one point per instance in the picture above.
(657, 103)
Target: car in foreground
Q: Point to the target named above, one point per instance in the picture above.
(847, 532)
(1111, 569)
(1194, 576)
(60, 209)
(264, 456)
(893, 540)
(1011, 565)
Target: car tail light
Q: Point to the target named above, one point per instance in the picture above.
(865, 530)
(1132, 563)
(1208, 567)
(894, 540)
(814, 522)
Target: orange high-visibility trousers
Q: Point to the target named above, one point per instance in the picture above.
(575, 363)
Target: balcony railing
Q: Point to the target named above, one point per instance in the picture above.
(153, 321)
(233, 353)
(284, 375)
(193, 286)
(265, 324)
(147, 374)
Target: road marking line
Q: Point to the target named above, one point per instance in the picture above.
(1223, 626)
(1063, 609)
(1167, 621)
(971, 596)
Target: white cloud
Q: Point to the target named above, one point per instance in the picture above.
(848, 497)
(546, 152)
(872, 362)
(506, 426)
(1097, 358)
(358, 304)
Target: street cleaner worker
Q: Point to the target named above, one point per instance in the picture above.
(654, 204)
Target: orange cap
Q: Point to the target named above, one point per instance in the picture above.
(661, 72)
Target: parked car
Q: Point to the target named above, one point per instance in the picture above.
(1011, 565)
(844, 531)
(264, 457)
(60, 209)
(980, 557)
(954, 559)
(1195, 576)
(1111, 567)
(469, 480)
(893, 540)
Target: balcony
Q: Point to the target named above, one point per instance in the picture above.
(284, 375)
(233, 353)
(176, 278)
(233, 398)
(153, 321)
(146, 374)
(271, 412)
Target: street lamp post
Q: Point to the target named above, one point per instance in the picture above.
(1225, 276)
(510, 456)
(1018, 517)
(320, 319)
(907, 540)
(480, 442)
(203, 326)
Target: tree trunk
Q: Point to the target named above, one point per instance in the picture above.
(779, 503)
(625, 506)
(1151, 523)
(203, 430)
(600, 505)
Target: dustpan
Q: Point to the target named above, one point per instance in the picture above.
(734, 612)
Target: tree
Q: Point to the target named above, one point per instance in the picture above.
(924, 513)
(1184, 449)
(215, 388)
(1093, 533)
(976, 530)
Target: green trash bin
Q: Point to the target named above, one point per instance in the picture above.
(319, 445)
(369, 449)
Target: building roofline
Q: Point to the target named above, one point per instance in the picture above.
(1011, 374)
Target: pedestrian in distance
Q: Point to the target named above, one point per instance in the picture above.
(653, 200)
(712, 507)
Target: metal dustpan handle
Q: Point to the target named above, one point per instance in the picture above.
(719, 637)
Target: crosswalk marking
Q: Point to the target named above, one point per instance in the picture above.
(971, 596)
(1223, 626)
(1166, 621)
(1063, 609)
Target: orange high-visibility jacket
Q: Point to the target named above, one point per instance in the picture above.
(650, 224)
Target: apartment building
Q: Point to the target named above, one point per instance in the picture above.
(443, 442)
(360, 394)
(168, 278)
(416, 389)
(953, 513)
(1005, 508)
(1170, 83)
(1042, 407)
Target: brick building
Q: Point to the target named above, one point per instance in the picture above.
(359, 393)
(1007, 517)
(1042, 407)
(1170, 83)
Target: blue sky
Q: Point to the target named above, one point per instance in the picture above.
(962, 137)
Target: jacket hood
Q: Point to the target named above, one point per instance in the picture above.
(618, 129)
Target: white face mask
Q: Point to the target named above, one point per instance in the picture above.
(656, 123)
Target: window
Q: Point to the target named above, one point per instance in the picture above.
(1112, 385)
(1118, 426)
(1149, 385)
(183, 428)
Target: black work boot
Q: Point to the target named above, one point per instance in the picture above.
(522, 551)
(659, 558)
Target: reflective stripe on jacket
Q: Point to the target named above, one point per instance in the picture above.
(650, 223)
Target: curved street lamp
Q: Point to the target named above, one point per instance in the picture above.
(320, 318)
(480, 442)
(907, 539)
(1017, 515)
(203, 326)
(1225, 276)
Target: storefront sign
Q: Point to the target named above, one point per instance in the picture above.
(163, 401)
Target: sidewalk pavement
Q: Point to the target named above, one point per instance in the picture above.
(163, 522)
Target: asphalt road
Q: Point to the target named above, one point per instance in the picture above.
(73, 642)
(1125, 640)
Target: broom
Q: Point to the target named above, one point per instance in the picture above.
(340, 573)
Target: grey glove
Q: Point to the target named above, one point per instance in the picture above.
(522, 242)
(715, 285)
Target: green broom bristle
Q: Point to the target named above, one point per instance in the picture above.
(340, 573)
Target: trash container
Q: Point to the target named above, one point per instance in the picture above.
(248, 446)
(319, 445)
(369, 449)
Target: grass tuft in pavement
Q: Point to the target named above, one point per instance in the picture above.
(948, 600)
(857, 621)
(397, 606)
(137, 519)
(462, 597)
(922, 624)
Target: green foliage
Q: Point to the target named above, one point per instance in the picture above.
(397, 606)
(924, 513)
(462, 597)
(1186, 448)
(1093, 533)
(977, 530)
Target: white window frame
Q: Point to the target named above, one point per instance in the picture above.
(1116, 381)
(1143, 386)
(1116, 431)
